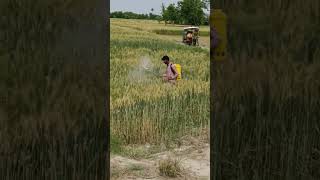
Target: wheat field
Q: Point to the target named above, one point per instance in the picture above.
(143, 108)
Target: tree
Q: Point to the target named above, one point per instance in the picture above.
(207, 19)
(131, 15)
(186, 12)
(172, 13)
(192, 11)
(116, 14)
(151, 15)
(159, 19)
(164, 14)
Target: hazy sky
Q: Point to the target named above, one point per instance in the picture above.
(139, 6)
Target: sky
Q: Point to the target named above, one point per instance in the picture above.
(139, 6)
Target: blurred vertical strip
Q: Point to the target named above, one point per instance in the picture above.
(108, 109)
(57, 89)
(265, 99)
(215, 127)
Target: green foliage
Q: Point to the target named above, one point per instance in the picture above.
(192, 11)
(186, 12)
(172, 14)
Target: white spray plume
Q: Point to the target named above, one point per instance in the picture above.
(139, 73)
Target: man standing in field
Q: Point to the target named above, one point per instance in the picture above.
(171, 72)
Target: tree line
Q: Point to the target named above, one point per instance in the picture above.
(131, 15)
(184, 12)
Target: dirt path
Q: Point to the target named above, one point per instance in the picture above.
(194, 160)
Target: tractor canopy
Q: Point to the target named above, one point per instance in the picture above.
(191, 28)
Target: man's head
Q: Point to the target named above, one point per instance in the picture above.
(165, 59)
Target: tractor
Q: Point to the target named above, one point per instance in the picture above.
(190, 36)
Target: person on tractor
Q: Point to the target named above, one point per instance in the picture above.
(189, 37)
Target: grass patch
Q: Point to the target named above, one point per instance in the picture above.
(135, 167)
(170, 167)
(116, 145)
(135, 152)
